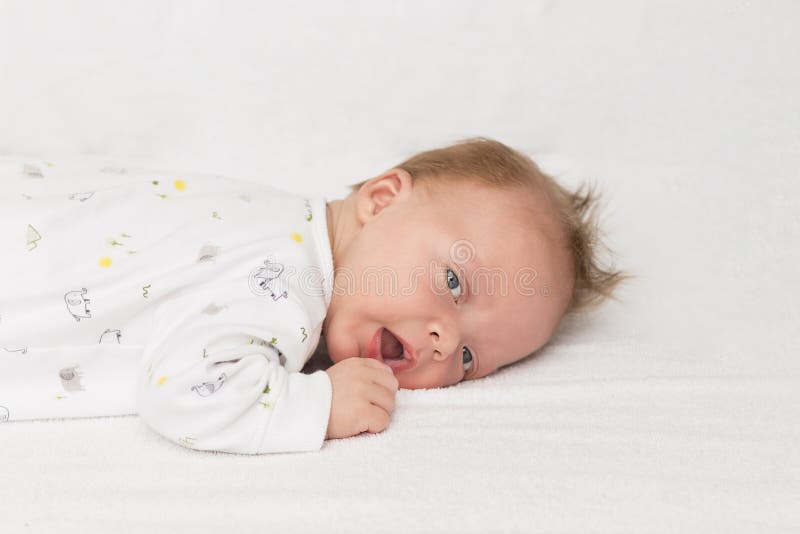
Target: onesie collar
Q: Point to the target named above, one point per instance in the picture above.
(319, 224)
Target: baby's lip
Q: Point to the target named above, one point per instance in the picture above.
(409, 354)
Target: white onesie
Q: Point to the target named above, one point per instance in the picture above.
(192, 299)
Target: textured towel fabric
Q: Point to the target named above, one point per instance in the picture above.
(193, 300)
(674, 410)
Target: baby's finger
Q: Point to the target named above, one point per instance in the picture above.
(387, 380)
(378, 420)
(372, 362)
(380, 396)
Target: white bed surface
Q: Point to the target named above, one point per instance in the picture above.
(676, 410)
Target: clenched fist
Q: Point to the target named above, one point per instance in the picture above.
(363, 397)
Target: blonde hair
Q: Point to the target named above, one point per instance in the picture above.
(494, 164)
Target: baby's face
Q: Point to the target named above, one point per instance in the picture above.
(461, 277)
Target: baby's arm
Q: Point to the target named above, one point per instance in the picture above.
(216, 382)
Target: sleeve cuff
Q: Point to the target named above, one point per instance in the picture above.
(301, 413)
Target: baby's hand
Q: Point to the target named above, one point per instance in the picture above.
(363, 397)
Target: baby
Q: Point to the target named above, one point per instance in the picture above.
(235, 317)
(483, 255)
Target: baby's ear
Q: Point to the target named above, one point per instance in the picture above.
(401, 174)
(400, 178)
(377, 193)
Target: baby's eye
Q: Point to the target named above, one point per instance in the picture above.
(453, 284)
(466, 359)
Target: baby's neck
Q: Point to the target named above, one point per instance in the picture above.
(342, 225)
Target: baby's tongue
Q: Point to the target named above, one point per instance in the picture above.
(390, 347)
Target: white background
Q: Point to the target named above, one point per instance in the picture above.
(687, 116)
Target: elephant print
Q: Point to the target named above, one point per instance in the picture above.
(77, 304)
(110, 336)
(265, 280)
(71, 378)
(207, 388)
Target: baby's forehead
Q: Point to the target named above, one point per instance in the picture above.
(524, 259)
(499, 203)
(501, 228)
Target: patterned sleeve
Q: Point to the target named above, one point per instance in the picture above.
(213, 376)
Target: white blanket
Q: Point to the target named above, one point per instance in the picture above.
(674, 410)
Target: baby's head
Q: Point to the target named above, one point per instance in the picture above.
(459, 261)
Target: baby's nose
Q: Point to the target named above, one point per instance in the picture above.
(441, 347)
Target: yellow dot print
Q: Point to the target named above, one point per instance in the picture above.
(161, 380)
(297, 237)
(180, 185)
(105, 261)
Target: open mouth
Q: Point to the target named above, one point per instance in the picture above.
(391, 350)
(390, 346)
